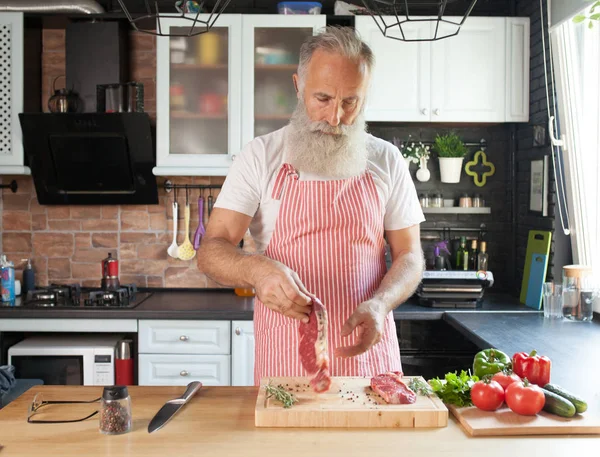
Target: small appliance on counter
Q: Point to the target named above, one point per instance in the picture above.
(453, 289)
(110, 273)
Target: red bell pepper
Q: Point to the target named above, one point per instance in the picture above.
(536, 368)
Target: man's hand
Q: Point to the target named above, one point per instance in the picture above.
(280, 289)
(369, 319)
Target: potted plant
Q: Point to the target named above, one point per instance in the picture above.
(415, 153)
(451, 152)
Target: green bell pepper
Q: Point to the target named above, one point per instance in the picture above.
(490, 361)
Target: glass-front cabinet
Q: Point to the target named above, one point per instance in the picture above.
(271, 51)
(218, 90)
(198, 99)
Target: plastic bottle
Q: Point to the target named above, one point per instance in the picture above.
(440, 262)
(28, 278)
(7, 273)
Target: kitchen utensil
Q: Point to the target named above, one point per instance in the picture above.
(537, 275)
(123, 363)
(186, 250)
(173, 249)
(63, 100)
(537, 243)
(553, 300)
(349, 402)
(166, 413)
(210, 203)
(120, 98)
(115, 411)
(200, 231)
(110, 273)
(504, 422)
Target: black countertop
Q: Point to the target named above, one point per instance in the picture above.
(225, 305)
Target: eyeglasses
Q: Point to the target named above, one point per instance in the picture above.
(38, 402)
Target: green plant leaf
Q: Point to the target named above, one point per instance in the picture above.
(591, 25)
(579, 18)
(595, 17)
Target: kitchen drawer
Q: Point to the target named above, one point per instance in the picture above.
(181, 369)
(184, 337)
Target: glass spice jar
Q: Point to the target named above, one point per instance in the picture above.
(437, 201)
(478, 201)
(465, 201)
(115, 411)
(424, 200)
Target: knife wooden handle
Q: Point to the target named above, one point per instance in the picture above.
(192, 388)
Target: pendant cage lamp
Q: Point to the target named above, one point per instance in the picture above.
(397, 19)
(200, 16)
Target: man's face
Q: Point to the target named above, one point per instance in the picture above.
(334, 90)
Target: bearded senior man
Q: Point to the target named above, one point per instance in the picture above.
(320, 197)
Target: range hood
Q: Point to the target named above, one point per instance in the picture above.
(90, 158)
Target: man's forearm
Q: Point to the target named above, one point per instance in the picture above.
(227, 264)
(401, 280)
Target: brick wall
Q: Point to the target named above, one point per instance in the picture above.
(67, 243)
(525, 150)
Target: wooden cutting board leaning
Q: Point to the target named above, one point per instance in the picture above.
(350, 402)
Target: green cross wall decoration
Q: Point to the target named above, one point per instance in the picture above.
(480, 181)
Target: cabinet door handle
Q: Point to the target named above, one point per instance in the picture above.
(238, 331)
(233, 157)
(183, 338)
(436, 112)
(424, 111)
(183, 373)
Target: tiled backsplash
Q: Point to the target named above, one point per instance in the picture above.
(67, 243)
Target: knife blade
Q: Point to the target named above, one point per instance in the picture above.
(170, 408)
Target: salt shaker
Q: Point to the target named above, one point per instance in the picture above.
(115, 411)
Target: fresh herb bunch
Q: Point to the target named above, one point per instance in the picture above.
(455, 389)
(449, 145)
(420, 387)
(412, 150)
(281, 394)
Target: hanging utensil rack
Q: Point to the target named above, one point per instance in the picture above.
(12, 186)
(168, 185)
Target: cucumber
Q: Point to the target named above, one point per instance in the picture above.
(555, 404)
(580, 404)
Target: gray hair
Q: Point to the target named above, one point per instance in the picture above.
(343, 41)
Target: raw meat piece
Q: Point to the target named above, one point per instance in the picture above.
(314, 355)
(391, 388)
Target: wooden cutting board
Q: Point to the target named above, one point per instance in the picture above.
(350, 402)
(504, 422)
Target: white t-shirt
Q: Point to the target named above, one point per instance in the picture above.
(249, 185)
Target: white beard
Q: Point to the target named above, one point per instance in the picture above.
(318, 148)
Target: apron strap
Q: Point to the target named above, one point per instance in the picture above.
(285, 171)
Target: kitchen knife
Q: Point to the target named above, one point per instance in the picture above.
(166, 413)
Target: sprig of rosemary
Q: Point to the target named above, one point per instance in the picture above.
(279, 393)
(419, 386)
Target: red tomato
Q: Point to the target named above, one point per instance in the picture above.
(505, 379)
(487, 395)
(525, 398)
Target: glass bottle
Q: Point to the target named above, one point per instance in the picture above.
(482, 257)
(460, 253)
(115, 411)
(473, 256)
(579, 293)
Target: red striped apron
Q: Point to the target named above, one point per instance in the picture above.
(331, 234)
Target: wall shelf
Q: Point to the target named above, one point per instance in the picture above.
(457, 210)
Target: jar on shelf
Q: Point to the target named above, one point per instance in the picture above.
(424, 200)
(478, 201)
(465, 201)
(437, 201)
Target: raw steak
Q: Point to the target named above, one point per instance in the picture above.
(391, 388)
(313, 347)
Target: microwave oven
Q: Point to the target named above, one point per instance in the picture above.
(87, 360)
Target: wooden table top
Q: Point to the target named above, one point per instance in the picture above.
(219, 421)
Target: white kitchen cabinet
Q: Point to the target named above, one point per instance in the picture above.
(184, 337)
(218, 90)
(517, 69)
(181, 369)
(198, 99)
(242, 353)
(12, 158)
(270, 55)
(476, 76)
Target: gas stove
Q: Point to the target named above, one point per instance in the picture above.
(74, 296)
